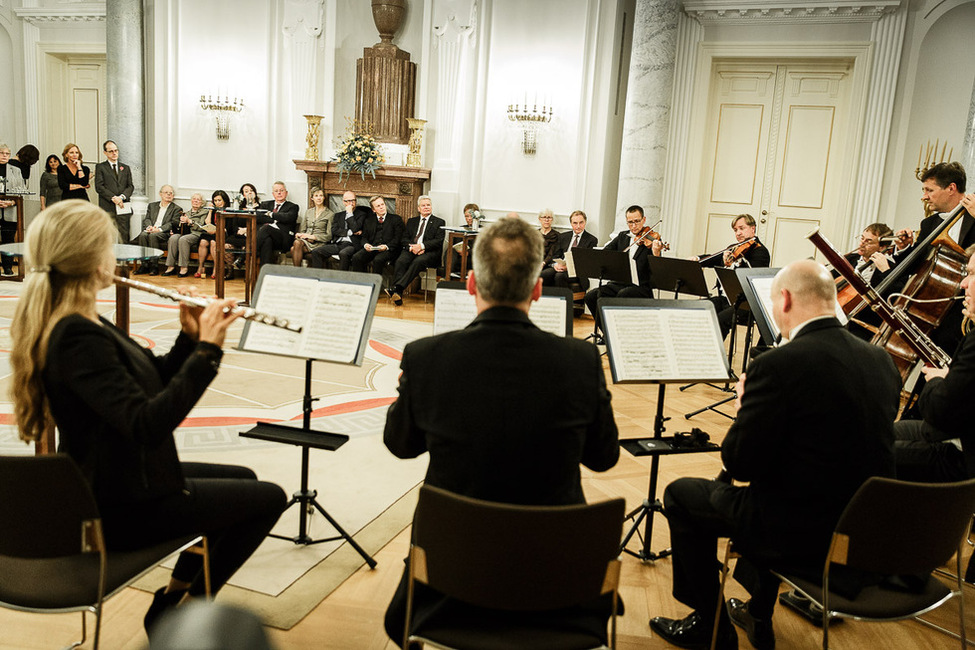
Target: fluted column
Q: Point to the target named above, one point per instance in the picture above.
(888, 36)
(646, 124)
(455, 29)
(124, 47)
(968, 151)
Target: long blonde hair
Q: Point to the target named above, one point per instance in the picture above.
(64, 246)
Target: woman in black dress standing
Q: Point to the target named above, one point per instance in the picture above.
(73, 176)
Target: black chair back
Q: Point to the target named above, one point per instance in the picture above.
(521, 558)
(898, 527)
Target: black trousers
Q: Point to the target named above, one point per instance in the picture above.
(379, 259)
(270, 239)
(409, 266)
(224, 502)
(922, 455)
(695, 526)
(345, 250)
(613, 290)
(8, 233)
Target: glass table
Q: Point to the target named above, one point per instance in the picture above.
(126, 255)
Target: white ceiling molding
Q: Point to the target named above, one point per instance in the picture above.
(89, 12)
(816, 11)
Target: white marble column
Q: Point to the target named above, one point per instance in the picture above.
(455, 29)
(124, 47)
(646, 124)
(968, 151)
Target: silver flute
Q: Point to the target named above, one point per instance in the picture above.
(246, 313)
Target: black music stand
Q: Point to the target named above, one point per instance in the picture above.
(679, 276)
(695, 358)
(756, 284)
(611, 266)
(341, 299)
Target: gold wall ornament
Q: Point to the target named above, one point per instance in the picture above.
(416, 141)
(529, 118)
(222, 108)
(311, 138)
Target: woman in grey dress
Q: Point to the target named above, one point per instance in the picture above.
(50, 190)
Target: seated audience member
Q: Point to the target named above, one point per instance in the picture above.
(346, 235)
(186, 235)
(940, 448)
(422, 248)
(314, 229)
(237, 227)
(531, 458)
(161, 217)
(639, 252)
(208, 239)
(549, 235)
(382, 235)
(469, 215)
(276, 229)
(556, 273)
(50, 190)
(785, 516)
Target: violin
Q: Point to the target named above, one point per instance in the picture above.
(738, 252)
(646, 237)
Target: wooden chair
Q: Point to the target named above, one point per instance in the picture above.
(52, 551)
(512, 559)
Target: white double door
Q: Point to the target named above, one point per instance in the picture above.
(776, 148)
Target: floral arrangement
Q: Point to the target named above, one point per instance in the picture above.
(358, 151)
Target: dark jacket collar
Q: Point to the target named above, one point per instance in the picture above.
(816, 325)
(501, 314)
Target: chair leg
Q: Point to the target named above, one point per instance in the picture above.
(98, 624)
(84, 633)
(961, 602)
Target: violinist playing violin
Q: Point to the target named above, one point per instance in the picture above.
(640, 241)
(748, 251)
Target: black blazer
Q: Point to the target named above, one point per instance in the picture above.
(116, 405)
(757, 257)
(286, 217)
(170, 219)
(928, 225)
(390, 234)
(433, 236)
(878, 275)
(65, 178)
(641, 257)
(107, 185)
(943, 399)
(816, 420)
(527, 447)
(343, 223)
(586, 240)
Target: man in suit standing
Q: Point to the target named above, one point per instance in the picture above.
(113, 184)
(527, 452)
(422, 248)
(382, 235)
(161, 217)
(556, 273)
(279, 221)
(638, 252)
(802, 461)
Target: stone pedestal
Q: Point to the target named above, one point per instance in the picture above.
(385, 81)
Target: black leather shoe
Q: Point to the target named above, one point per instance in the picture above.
(161, 603)
(143, 270)
(693, 632)
(760, 633)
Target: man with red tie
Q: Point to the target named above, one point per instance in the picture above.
(422, 248)
(279, 219)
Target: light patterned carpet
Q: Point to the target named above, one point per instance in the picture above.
(364, 487)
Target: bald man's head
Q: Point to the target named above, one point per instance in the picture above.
(801, 291)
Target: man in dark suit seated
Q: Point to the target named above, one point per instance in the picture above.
(636, 224)
(803, 461)
(422, 248)
(382, 236)
(527, 452)
(556, 273)
(872, 264)
(278, 223)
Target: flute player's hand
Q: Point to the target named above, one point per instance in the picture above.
(215, 320)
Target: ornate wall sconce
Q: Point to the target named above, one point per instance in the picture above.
(529, 119)
(222, 108)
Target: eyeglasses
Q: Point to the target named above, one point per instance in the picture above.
(546, 218)
(633, 222)
(111, 151)
(348, 200)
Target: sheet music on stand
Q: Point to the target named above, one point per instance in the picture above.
(454, 309)
(334, 308)
(663, 341)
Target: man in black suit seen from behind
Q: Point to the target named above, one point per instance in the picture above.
(422, 248)
(639, 253)
(525, 453)
(556, 273)
(802, 461)
(277, 224)
(382, 237)
(113, 184)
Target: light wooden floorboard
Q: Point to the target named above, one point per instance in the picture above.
(351, 617)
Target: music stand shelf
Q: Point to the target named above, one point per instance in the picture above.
(663, 446)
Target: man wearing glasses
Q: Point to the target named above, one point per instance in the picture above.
(113, 184)
(639, 253)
